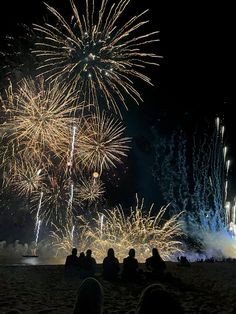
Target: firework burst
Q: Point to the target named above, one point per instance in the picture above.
(90, 190)
(96, 54)
(27, 178)
(101, 143)
(37, 119)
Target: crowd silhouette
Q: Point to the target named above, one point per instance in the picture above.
(154, 297)
(90, 293)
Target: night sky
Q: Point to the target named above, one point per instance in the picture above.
(188, 84)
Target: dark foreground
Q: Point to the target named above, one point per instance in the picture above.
(203, 288)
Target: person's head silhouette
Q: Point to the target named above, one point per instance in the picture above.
(132, 252)
(89, 253)
(74, 251)
(89, 297)
(110, 252)
(155, 299)
(155, 252)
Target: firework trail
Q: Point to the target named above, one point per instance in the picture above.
(101, 224)
(38, 211)
(205, 197)
(37, 232)
(70, 161)
(95, 54)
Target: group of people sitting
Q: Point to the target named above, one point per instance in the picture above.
(85, 265)
(90, 295)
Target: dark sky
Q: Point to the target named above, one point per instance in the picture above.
(188, 78)
(188, 84)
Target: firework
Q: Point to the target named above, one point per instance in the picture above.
(27, 178)
(90, 190)
(101, 143)
(64, 238)
(95, 54)
(139, 230)
(38, 119)
(16, 60)
(58, 195)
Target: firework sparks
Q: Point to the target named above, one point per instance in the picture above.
(38, 119)
(90, 190)
(38, 211)
(26, 178)
(101, 144)
(96, 55)
(37, 232)
(139, 230)
(58, 193)
(64, 238)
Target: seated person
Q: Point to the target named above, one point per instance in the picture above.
(72, 264)
(90, 297)
(81, 259)
(155, 299)
(130, 270)
(155, 265)
(89, 264)
(110, 266)
(183, 261)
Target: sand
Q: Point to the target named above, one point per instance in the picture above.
(205, 288)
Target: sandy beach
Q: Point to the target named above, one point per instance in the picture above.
(205, 288)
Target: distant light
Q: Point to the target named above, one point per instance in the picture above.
(95, 174)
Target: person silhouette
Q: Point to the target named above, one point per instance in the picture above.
(89, 264)
(72, 264)
(81, 259)
(110, 266)
(90, 297)
(155, 265)
(183, 261)
(130, 267)
(155, 299)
